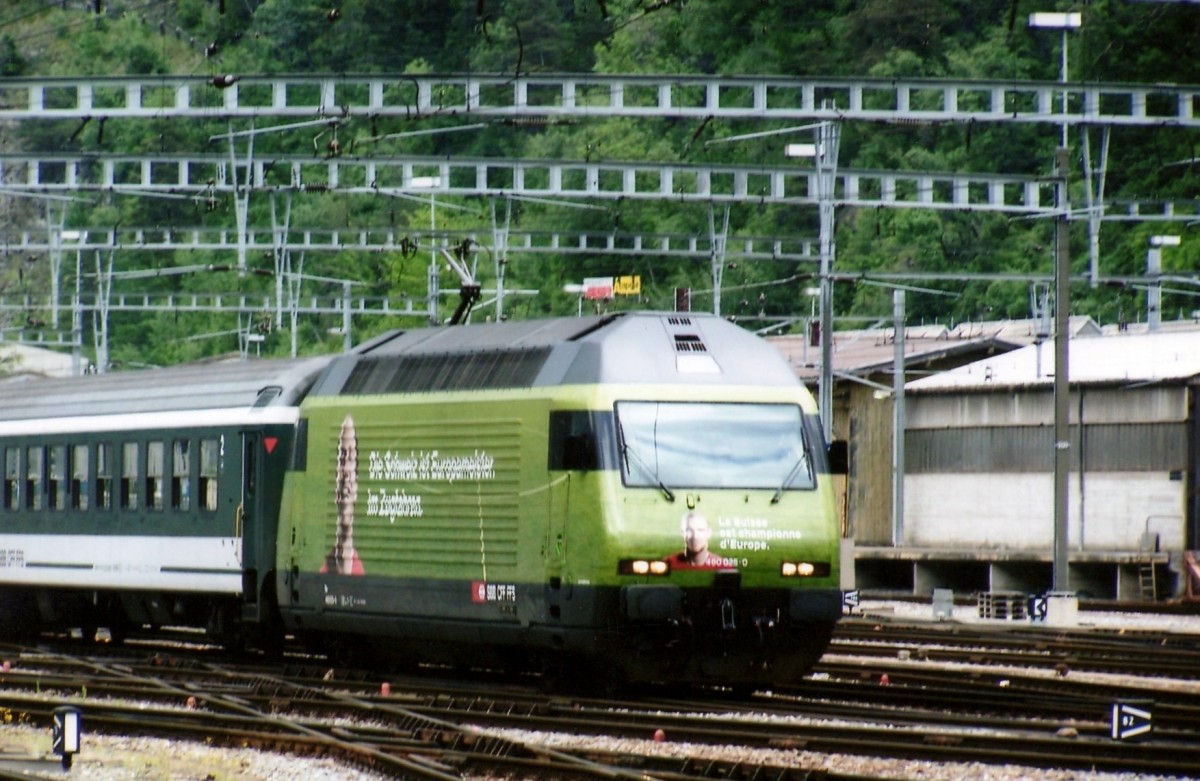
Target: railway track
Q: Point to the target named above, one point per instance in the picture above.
(1115, 651)
(966, 696)
(406, 735)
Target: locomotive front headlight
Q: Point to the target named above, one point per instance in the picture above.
(804, 569)
(643, 567)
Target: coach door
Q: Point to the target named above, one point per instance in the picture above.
(248, 521)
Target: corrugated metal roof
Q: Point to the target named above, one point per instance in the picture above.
(870, 351)
(1023, 331)
(1121, 359)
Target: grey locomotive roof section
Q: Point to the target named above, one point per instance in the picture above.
(230, 384)
(485, 337)
(641, 347)
(669, 348)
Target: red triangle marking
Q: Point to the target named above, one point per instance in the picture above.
(270, 443)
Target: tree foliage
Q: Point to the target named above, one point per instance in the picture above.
(1120, 41)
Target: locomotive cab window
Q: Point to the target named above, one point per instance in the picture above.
(129, 476)
(12, 479)
(713, 445)
(580, 440)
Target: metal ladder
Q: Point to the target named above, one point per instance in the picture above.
(1147, 571)
(1148, 580)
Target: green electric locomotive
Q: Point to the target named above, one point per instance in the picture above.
(636, 497)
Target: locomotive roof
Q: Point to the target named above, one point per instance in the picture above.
(232, 384)
(634, 347)
(631, 347)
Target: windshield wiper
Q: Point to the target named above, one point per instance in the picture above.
(801, 461)
(627, 451)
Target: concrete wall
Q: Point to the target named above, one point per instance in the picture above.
(1015, 511)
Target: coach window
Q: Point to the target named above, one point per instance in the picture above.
(79, 477)
(129, 476)
(12, 478)
(181, 475)
(154, 475)
(210, 451)
(104, 479)
(56, 489)
(35, 468)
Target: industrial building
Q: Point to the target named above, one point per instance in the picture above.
(978, 484)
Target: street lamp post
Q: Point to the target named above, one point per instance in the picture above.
(825, 154)
(898, 418)
(1063, 22)
(430, 183)
(1062, 387)
(1154, 269)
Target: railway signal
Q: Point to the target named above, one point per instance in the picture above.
(1132, 719)
(65, 733)
(850, 600)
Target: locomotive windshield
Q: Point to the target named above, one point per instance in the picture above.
(671, 445)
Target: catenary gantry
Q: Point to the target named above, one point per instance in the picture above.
(229, 96)
(201, 175)
(391, 239)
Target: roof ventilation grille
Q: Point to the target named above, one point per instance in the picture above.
(689, 343)
(424, 373)
(679, 320)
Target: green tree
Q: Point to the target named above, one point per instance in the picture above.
(11, 61)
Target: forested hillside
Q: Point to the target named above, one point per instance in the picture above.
(1120, 41)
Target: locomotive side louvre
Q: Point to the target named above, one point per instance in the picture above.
(498, 512)
(441, 495)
